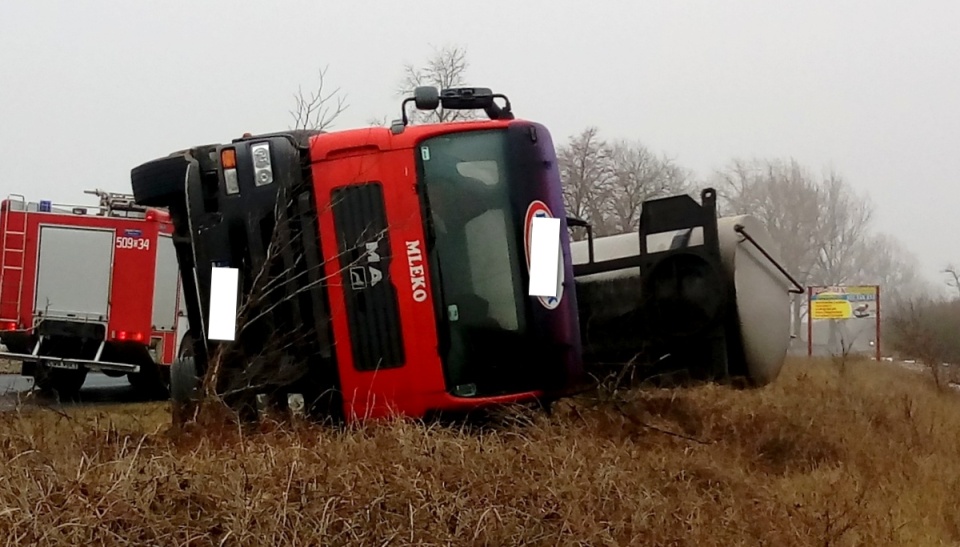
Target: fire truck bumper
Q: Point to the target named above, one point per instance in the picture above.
(30, 360)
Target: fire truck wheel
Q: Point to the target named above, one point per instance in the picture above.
(64, 384)
(150, 381)
(159, 182)
(184, 383)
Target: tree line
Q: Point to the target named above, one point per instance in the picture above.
(825, 229)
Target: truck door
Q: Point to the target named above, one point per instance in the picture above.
(73, 273)
(165, 286)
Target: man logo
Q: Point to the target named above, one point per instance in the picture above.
(362, 277)
(358, 278)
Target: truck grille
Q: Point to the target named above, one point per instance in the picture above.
(364, 256)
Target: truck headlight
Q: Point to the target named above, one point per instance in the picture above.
(228, 160)
(262, 168)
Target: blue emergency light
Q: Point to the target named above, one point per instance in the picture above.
(45, 206)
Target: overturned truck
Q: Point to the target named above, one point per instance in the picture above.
(386, 271)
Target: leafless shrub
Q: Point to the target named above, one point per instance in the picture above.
(445, 68)
(925, 329)
(267, 358)
(319, 109)
(606, 182)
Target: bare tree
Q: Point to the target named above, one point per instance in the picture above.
(924, 328)
(606, 182)
(446, 68)
(823, 229)
(316, 110)
(638, 175)
(843, 233)
(784, 197)
(587, 174)
(891, 266)
(953, 280)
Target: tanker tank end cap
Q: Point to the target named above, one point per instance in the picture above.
(544, 256)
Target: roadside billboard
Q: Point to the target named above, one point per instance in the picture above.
(843, 302)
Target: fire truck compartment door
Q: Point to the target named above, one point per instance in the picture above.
(166, 283)
(73, 272)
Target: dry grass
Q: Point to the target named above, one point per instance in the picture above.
(869, 457)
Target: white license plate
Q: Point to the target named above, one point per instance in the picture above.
(68, 366)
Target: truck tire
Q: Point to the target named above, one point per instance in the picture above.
(160, 182)
(60, 383)
(150, 382)
(184, 383)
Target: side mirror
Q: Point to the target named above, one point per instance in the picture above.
(426, 97)
(461, 98)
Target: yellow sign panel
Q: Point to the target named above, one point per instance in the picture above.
(831, 309)
(843, 302)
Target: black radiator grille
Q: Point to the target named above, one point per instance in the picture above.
(364, 256)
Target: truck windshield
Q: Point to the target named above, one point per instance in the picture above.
(474, 258)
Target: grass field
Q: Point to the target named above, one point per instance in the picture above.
(869, 456)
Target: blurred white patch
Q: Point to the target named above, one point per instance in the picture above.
(296, 404)
(544, 256)
(223, 303)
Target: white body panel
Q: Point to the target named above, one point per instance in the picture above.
(74, 273)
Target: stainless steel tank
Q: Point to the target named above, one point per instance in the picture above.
(760, 290)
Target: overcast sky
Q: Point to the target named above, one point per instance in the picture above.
(90, 89)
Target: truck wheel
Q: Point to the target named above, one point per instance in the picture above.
(184, 386)
(61, 383)
(151, 381)
(160, 182)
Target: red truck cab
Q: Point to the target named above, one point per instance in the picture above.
(382, 270)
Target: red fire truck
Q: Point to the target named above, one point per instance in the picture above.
(89, 288)
(386, 271)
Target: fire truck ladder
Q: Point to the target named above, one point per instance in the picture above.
(7, 266)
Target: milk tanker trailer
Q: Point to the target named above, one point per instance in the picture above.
(687, 292)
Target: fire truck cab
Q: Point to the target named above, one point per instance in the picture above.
(381, 270)
(88, 288)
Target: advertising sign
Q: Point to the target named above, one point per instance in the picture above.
(852, 302)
